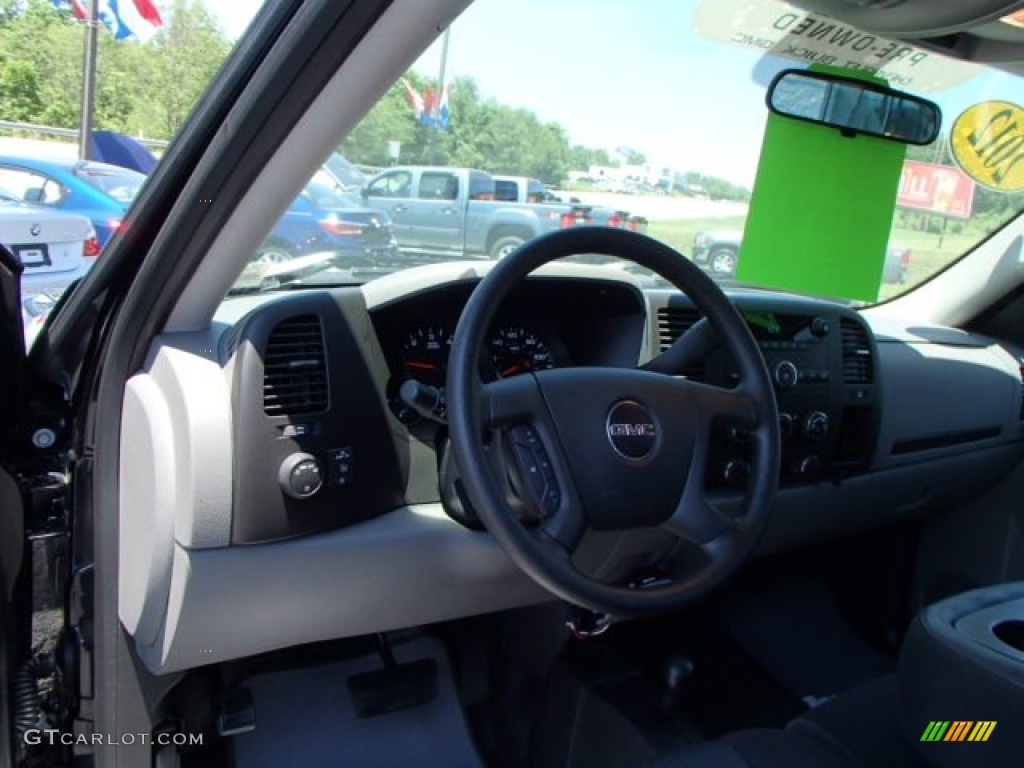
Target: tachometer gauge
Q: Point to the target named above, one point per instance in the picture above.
(425, 354)
(515, 350)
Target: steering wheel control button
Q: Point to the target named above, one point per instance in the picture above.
(340, 462)
(785, 374)
(535, 469)
(300, 476)
(631, 430)
(816, 425)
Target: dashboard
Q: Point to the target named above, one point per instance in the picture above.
(274, 458)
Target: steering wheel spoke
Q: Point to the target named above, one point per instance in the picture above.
(713, 402)
(686, 351)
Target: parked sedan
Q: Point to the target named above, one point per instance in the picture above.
(55, 248)
(100, 192)
(323, 219)
(717, 252)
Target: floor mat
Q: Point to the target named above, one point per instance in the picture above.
(795, 632)
(305, 717)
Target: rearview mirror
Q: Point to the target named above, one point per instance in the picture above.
(854, 106)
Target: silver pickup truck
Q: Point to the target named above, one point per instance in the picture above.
(440, 213)
(522, 189)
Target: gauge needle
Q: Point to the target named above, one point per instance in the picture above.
(424, 366)
(509, 371)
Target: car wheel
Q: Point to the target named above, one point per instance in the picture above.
(271, 253)
(503, 246)
(723, 262)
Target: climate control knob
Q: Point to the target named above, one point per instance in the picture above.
(300, 476)
(808, 467)
(786, 374)
(736, 472)
(816, 425)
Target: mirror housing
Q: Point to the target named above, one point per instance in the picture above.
(854, 106)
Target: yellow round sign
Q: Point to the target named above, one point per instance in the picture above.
(988, 144)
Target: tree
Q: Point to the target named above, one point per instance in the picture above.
(188, 51)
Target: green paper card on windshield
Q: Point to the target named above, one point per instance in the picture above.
(821, 211)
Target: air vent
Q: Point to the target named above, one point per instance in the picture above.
(857, 363)
(673, 322)
(295, 368)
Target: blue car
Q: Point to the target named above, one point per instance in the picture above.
(99, 192)
(323, 219)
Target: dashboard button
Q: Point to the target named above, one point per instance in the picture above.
(340, 466)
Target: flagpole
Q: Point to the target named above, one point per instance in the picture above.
(443, 75)
(89, 78)
(435, 108)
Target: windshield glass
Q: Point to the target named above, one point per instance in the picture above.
(482, 145)
(664, 137)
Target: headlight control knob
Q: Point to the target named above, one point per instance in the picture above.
(300, 476)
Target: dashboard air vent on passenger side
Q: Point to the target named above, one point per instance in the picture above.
(295, 368)
(857, 363)
(673, 322)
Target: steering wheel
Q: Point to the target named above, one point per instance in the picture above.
(543, 457)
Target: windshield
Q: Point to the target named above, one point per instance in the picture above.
(665, 137)
(121, 184)
(655, 122)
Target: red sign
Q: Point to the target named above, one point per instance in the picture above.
(936, 188)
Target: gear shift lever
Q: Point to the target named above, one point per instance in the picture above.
(677, 679)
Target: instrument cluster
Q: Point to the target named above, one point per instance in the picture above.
(512, 349)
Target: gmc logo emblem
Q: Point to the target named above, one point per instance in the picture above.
(631, 430)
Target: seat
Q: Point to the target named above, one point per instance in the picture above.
(861, 728)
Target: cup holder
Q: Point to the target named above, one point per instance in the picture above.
(1010, 632)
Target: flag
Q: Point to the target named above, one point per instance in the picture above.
(125, 19)
(415, 100)
(443, 115)
(429, 107)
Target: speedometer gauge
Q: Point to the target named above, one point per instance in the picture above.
(515, 349)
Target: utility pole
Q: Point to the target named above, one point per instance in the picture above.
(92, 24)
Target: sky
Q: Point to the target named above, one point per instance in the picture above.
(634, 73)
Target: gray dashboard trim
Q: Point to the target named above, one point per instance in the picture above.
(410, 567)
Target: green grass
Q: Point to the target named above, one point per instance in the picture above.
(928, 255)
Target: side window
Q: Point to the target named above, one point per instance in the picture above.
(396, 184)
(439, 186)
(535, 192)
(481, 186)
(30, 187)
(505, 191)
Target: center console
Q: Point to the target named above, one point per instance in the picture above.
(962, 678)
(822, 361)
